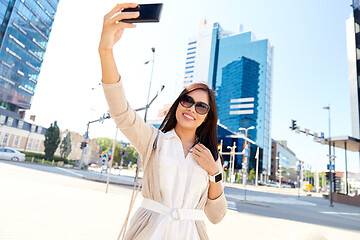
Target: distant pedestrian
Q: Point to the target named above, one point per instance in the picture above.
(182, 167)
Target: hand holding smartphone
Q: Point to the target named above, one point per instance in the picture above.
(148, 13)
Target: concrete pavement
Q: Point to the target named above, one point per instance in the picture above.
(41, 205)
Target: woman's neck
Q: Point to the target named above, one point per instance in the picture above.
(186, 135)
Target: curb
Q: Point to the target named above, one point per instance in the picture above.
(247, 202)
(131, 184)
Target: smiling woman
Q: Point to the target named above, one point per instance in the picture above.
(183, 172)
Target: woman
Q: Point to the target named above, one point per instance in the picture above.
(178, 160)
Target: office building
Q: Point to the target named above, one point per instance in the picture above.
(25, 26)
(238, 67)
(353, 52)
(24, 34)
(285, 161)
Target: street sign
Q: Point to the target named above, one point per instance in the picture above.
(124, 145)
(86, 135)
(104, 157)
(110, 153)
(246, 154)
(331, 167)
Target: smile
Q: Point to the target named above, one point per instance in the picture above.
(188, 116)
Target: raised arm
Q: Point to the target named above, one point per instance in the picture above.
(112, 31)
(131, 124)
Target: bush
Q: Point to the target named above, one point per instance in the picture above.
(39, 156)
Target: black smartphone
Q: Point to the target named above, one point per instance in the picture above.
(148, 13)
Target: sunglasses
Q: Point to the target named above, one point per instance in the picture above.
(200, 107)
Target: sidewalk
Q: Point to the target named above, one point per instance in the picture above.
(46, 206)
(288, 191)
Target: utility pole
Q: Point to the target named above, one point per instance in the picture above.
(111, 161)
(330, 162)
(152, 70)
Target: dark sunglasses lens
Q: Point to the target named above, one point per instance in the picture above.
(186, 101)
(201, 108)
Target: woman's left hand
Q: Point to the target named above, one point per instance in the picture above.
(204, 157)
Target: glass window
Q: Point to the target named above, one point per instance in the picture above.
(2, 119)
(37, 144)
(17, 141)
(33, 127)
(5, 139)
(30, 143)
(20, 124)
(9, 151)
(10, 121)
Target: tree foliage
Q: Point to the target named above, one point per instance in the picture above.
(106, 145)
(65, 146)
(252, 175)
(52, 140)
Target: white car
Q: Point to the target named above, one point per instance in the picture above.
(11, 154)
(273, 184)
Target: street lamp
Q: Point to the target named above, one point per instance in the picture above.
(232, 162)
(245, 152)
(330, 165)
(152, 70)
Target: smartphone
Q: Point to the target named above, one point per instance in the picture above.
(148, 13)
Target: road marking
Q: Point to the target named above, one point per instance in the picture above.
(68, 171)
(231, 205)
(341, 213)
(278, 200)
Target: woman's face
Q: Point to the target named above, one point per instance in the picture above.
(188, 118)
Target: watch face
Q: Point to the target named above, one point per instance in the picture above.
(218, 177)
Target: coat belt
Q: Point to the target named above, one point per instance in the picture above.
(175, 214)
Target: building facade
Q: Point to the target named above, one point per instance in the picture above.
(285, 160)
(24, 34)
(353, 52)
(239, 68)
(20, 133)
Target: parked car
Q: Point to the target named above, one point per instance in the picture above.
(11, 154)
(272, 184)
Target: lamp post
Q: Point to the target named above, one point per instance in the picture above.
(330, 165)
(232, 162)
(152, 70)
(244, 164)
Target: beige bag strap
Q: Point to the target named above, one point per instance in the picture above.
(136, 191)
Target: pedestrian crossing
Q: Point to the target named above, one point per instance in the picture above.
(276, 200)
(341, 213)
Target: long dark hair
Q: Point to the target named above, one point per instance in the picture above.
(207, 131)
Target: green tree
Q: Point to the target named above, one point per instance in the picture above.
(252, 175)
(106, 145)
(52, 140)
(65, 146)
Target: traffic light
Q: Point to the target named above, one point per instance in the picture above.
(83, 145)
(123, 152)
(327, 174)
(109, 158)
(100, 155)
(225, 168)
(293, 125)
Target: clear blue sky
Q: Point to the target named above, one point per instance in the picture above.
(310, 68)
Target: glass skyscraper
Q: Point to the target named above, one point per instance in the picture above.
(238, 67)
(24, 34)
(353, 50)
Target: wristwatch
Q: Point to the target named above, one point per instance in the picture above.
(216, 178)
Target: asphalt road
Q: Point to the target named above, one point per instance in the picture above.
(307, 209)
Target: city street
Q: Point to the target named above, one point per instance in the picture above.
(45, 202)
